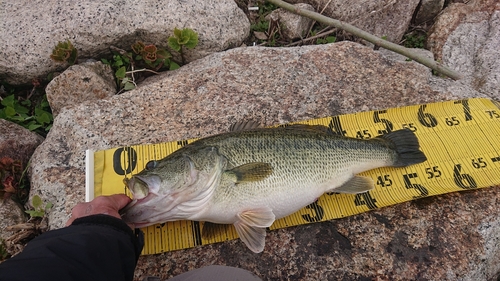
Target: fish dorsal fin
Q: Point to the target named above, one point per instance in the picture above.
(358, 184)
(211, 230)
(251, 227)
(311, 128)
(244, 125)
(254, 171)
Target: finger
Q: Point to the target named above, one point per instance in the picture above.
(119, 200)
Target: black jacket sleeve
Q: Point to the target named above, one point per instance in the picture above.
(98, 247)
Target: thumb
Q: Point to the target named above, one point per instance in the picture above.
(119, 200)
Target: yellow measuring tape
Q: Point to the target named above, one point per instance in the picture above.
(460, 138)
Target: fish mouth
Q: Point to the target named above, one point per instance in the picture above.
(140, 188)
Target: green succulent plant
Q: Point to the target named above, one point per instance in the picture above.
(64, 52)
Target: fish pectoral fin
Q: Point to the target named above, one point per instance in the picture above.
(211, 230)
(358, 184)
(255, 171)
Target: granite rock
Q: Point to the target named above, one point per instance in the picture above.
(428, 10)
(293, 26)
(443, 237)
(18, 144)
(387, 18)
(30, 29)
(11, 214)
(82, 82)
(466, 37)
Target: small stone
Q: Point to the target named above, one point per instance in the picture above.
(428, 10)
(88, 81)
(292, 26)
(11, 214)
(387, 18)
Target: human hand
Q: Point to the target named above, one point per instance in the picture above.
(107, 205)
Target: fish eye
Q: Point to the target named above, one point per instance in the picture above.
(151, 164)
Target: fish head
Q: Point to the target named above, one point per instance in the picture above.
(164, 185)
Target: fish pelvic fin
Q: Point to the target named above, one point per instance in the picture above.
(358, 184)
(255, 171)
(406, 145)
(251, 227)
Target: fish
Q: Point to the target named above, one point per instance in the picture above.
(249, 177)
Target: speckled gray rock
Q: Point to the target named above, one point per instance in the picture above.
(428, 10)
(466, 37)
(18, 144)
(11, 214)
(293, 26)
(82, 82)
(30, 29)
(387, 18)
(436, 238)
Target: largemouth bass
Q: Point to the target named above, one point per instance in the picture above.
(252, 177)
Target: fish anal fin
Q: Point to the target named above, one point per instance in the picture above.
(357, 184)
(255, 171)
(211, 230)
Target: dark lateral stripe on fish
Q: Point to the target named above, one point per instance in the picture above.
(406, 144)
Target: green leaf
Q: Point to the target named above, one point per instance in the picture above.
(48, 206)
(129, 86)
(126, 59)
(174, 66)
(20, 109)
(33, 127)
(42, 116)
(105, 61)
(35, 214)
(36, 201)
(26, 103)
(331, 39)
(193, 42)
(120, 73)
(183, 40)
(174, 44)
(163, 54)
(8, 101)
(9, 111)
(177, 33)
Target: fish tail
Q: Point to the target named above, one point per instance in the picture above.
(405, 143)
